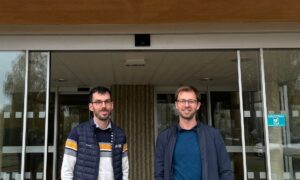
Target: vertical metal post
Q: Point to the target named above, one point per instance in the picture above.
(286, 111)
(46, 117)
(155, 116)
(264, 98)
(287, 130)
(209, 106)
(242, 114)
(55, 135)
(25, 116)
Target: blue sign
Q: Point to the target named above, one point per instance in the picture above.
(277, 120)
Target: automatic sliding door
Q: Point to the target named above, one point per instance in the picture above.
(225, 115)
(282, 79)
(214, 72)
(12, 80)
(37, 116)
(24, 114)
(253, 115)
(72, 110)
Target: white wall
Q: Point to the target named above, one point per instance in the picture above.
(158, 41)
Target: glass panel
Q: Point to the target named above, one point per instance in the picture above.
(51, 119)
(253, 114)
(35, 171)
(12, 81)
(73, 109)
(237, 164)
(34, 165)
(166, 111)
(219, 72)
(50, 167)
(36, 113)
(282, 71)
(226, 116)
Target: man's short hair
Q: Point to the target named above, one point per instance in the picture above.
(187, 89)
(100, 90)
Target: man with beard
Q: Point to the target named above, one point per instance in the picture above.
(190, 150)
(96, 149)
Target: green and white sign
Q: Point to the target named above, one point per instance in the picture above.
(277, 120)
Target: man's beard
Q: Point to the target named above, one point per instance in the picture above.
(103, 118)
(187, 117)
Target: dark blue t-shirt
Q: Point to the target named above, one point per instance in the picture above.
(186, 156)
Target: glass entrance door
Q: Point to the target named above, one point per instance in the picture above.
(24, 113)
(72, 110)
(11, 111)
(220, 103)
(252, 115)
(37, 122)
(282, 79)
(225, 117)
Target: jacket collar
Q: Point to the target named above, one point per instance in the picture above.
(178, 128)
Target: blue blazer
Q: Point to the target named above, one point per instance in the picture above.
(214, 157)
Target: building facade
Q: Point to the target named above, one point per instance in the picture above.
(243, 56)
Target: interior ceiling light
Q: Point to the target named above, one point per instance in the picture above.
(206, 79)
(61, 80)
(135, 62)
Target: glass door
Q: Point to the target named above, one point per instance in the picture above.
(220, 104)
(72, 110)
(225, 117)
(225, 113)
(252, 115)
(24, 114)
(37, 121)
(12, 85)
(282, 81)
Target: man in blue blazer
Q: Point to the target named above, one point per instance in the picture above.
(190, 150)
